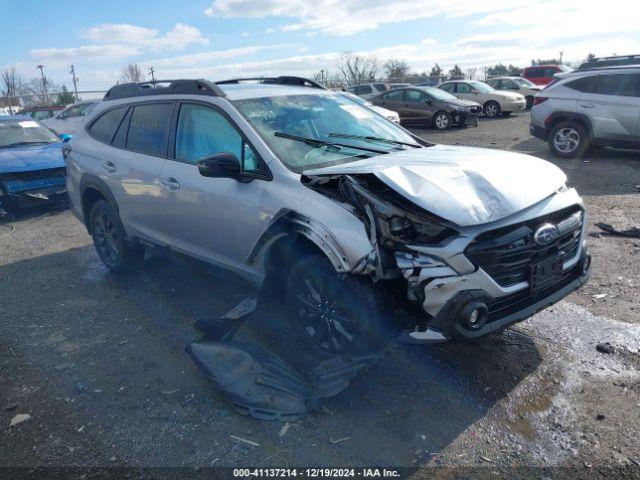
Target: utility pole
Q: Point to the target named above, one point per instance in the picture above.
(72, 71)
(561, 54)
(44, 83)
(153, 78)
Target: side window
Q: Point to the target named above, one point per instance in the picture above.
(448, 87)
(203, 131)
(584, 84)
(148, 128)
(550, 72)
(105, 126)
(508, 85)
(381, 87)
(494, 83)
(534, 72)
(395, 96)
(623, 85)
(363, 89)
(415, 96)
(465, 88)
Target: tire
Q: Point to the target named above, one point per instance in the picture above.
(529, 99)
(335, 316)
(492, 109)
(442, 121)
(110, 239)
(568, 139)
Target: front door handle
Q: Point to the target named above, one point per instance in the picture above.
(109, 167)
(588, 105)
(170, 183)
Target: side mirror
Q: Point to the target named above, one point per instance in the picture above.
(428, 101)
(220, 165)
(65, 137)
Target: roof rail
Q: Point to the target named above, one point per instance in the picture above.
(281, 80)
(164, 87)
(613, 61)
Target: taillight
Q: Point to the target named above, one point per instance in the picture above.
(538, 100)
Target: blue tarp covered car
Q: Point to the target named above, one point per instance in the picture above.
(32, 169)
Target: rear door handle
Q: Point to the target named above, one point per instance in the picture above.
(170, 183)
(109, 167)
(588, 105)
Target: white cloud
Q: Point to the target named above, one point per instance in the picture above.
(179, 37)
(204, 58)
(89, 53)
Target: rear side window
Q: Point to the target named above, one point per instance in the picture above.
(534, 73)
(148, 128)
(624, 85)
(105, 126)
(381, 87)
(583, 84)
(416, 96)
(363, 89)
(397, 95)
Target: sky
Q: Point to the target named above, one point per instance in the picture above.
(217, 39)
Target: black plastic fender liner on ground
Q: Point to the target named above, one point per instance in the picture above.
(257, 381)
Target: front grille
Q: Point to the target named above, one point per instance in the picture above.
(475, 109)
(34, 174)
(507, 253)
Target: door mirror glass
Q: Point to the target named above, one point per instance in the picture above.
(220, 165)
(65, 137)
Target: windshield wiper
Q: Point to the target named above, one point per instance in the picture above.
(375, 139)
(314, 142)
(20, 144)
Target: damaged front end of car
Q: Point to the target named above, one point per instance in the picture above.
(20, 190)
(461, 282)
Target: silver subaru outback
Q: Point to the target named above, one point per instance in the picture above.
(358, 227)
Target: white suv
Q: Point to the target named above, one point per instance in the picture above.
(367, 90)
(599, 107)
(341, 214)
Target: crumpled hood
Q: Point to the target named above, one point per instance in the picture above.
(28, 158)
(467, 186)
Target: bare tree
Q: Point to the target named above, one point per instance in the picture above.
(396, 69)
(132, 73)
(357, 69)
(12, 84)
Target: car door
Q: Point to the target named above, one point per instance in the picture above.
(132, 168)
(214, 219)
(416, 110)
(465, 91)
(613, 105)
(392, 100)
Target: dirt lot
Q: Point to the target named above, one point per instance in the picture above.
(98, 360)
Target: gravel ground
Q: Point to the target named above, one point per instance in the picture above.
(98, 361)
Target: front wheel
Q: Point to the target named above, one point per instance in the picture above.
(109, 239)
(568, 140)
(492, 109)
(335, 316)
(442, 120)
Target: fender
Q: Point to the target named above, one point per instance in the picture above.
(88, 181)
(287, 222)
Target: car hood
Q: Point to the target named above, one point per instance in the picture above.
(467, 186)
(29, 158)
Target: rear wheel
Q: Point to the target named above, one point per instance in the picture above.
(442, 120)
(109, 239)
(492, 109)
(335, 316)
(568, 139)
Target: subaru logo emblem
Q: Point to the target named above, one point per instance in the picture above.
(546, 234)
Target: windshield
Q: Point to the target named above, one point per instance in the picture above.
(523, 82)
(439, 94)
(323, 118)
(24, 132)
(481, 87)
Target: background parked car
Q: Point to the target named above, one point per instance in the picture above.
(70, 119)
(429, 106)
(367, 90)
(600, 107)
(427, 83)
(543, 74)
(388, 114)
(516, 84)
(32, 169)
(494, 102)
(41, 113)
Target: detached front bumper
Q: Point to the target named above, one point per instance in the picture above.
(453, 320)
(18, 194)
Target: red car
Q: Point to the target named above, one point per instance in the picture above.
(543, 74)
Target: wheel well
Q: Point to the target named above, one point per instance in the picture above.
(556, 119)
(490, 101)
(89, 197)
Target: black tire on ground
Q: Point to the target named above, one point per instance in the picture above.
(442, 120)
(492, 109)
(109, 239)
(333, 315)
(529, 101)
(568, 139)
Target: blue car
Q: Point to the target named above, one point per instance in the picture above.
(32, 168)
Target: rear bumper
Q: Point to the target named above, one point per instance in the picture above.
(449, 323)
(537, 131)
